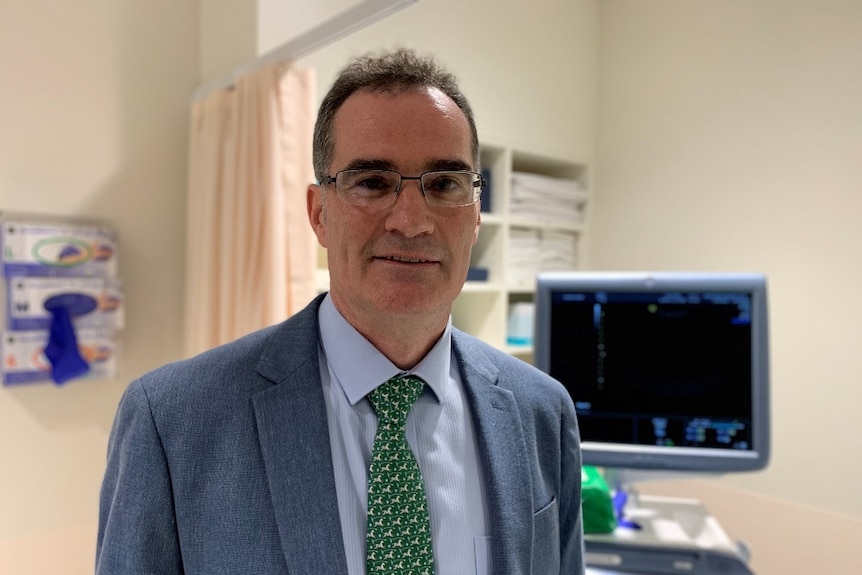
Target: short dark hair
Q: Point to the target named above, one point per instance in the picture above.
(402, 69)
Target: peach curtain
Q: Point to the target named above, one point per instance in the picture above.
(250, 250)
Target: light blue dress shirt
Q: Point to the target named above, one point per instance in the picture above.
(439, 430)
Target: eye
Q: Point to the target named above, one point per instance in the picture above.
(373, 183)
(368, 183)
(444, 184)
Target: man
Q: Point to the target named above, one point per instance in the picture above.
(257, 457)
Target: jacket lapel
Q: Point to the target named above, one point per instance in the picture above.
(294, 442)
(504, 459)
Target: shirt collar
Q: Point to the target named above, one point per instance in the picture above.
(360, 368)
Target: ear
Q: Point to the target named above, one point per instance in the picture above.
(316, 213)
(478, 223)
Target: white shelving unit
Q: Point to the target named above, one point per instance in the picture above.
(482, 309)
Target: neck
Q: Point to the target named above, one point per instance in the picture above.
(403, 340)
(402, 347)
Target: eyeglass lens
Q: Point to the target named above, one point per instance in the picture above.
(378, 187)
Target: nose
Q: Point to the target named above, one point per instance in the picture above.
(410, 215)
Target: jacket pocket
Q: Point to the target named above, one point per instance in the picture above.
(546, 540)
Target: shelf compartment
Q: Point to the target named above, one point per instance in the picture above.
(482, 314)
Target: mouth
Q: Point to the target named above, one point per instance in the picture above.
(405, 260)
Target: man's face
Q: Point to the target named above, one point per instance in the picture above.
(411, 257)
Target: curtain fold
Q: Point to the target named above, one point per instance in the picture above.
(250, 251)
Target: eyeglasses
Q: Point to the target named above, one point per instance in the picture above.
(380, 188)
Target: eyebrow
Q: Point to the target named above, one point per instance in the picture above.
(448, 165)
(369, 164)
(439, 165)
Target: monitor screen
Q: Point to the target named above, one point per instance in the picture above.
(668, 371)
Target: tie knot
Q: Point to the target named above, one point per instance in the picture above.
(392, 400)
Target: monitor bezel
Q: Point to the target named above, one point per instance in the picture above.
(685, 459)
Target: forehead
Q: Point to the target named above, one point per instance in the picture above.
(410, 129)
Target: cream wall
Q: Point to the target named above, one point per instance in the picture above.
(228, 32)
(279, 22)
(528, 68)
(730, 138)
(93, 122)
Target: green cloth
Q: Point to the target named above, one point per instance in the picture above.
(597, 502)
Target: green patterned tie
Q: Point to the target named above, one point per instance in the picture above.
(399, 534)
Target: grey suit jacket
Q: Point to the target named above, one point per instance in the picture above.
(221, 464)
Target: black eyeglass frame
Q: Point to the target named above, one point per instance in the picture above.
(479, 184)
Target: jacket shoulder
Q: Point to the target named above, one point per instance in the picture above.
(243, 366)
